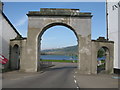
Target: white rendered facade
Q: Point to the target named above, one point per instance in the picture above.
(7, 32)
(113, 9)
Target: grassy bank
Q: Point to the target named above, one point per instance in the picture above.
(65, 61)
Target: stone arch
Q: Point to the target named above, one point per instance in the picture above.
(79, 23)
(15, 57)
(39, 21)
(107, 58)
(56, 24)
(109, 47)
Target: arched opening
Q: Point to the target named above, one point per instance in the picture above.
(15, 59)
(57, 43)
(103, 58)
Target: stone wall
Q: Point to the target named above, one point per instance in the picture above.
(40, 21)
(79, 23)
(17, 59)
(109, 45)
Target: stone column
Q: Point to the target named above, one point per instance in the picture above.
(31, 58)
(85, 54)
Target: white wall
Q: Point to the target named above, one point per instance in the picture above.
(0, 34)
(7, 34)
(119, 37)
(113, 28)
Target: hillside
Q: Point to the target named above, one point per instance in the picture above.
(71, 50)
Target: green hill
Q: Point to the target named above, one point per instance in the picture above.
(71, 50)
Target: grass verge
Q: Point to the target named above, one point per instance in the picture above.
(65, 61)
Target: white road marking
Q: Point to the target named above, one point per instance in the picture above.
(75, 81)
(77, 87)
(75, 72)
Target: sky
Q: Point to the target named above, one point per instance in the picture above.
(57, 36)
(56, 0)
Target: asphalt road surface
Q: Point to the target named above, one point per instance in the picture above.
(59, 76)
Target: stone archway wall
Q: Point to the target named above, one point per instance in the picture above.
(96, 45)
(15, 57)
(79, 23)
(14, 54)
(22, 47)
(38, 21)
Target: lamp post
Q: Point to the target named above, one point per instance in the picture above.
(107, 18)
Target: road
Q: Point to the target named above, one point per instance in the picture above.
(59, 76)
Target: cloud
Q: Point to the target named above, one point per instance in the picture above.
(21, 22)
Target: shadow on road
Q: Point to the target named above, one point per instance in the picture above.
(60, 68)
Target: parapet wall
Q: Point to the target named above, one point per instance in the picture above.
(59, 12)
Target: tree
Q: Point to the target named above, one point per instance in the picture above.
(101, 52)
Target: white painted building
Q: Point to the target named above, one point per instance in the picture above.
(113, 10)
(7, 32)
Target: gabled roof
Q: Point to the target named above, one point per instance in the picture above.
(10, 24)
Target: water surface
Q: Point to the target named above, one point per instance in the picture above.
(58, 57)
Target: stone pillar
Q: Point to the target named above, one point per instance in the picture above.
(85, 55)
(94, 52)
(23, 58)
(110, 59)
(31, 58)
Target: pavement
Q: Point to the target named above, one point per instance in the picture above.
(98, 81)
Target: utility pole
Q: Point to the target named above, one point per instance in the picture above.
(107, 18)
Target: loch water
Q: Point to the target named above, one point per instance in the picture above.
(58, 57)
